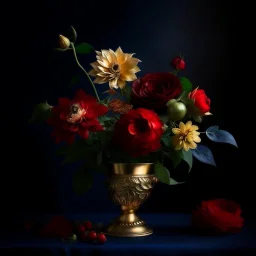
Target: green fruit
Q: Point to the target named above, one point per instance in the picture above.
(176, 110)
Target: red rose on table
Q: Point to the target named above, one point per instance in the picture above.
(58, 226)
(201, 101)
(138, 132)
(154, 90)
(76, 116)
(218, 216)
(178, 63)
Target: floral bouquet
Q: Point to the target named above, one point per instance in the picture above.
(146, 119)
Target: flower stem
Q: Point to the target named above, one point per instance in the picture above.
(80, 66)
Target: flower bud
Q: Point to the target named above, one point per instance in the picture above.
(176, 110)
(178, 63)
(64, 42)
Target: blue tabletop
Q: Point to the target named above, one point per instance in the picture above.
(173, 235)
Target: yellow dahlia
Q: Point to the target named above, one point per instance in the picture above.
(114, 67)
(186, 136)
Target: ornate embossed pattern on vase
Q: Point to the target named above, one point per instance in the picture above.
(130, 186)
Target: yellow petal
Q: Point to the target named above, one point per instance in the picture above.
(194, 128)
(92, 72)
(95, 65)
(99, 80)
(207, 114)
(121, 58)
(103, 74)
(129, 76)
(120, 83)
(185, 146)
(188, 125)
(129, 64)
(197, 139)
(195, 133)
(192, 145)
(135, 69)
(102, 69)
(113, 83)
(176, 130)
(98, 53)
(182, 127)
(104, 62)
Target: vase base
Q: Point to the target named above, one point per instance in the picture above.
(128, 225)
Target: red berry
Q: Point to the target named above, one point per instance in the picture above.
(178, 63)
(80, 228)
(101, 238)
(87, 225)
(92, 235)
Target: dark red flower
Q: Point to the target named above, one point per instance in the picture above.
(218, 216)
(138, 132)
(76, 116)
(154, 90)
(178, 63)
(58, 226)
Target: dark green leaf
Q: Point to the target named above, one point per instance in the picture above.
(73, 34)
(78, 151)
(127, 91)
(41, 112)
(187, 157)
(82, 181)
(186, 84)
(164, 118)
(167, 141)
(175, 157)
(84, 48)
(163, 175)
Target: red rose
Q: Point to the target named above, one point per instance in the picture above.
(154, 90)
(138, 132)
(178, 63)
(218, 216)
(202, 102)
(58, 226)
(76, 116)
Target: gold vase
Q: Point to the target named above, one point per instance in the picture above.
(130, 185)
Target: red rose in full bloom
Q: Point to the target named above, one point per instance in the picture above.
(154, 90)
(202, 102)
(178, 63)
(218, 216)
(138, 132)
(76, 116)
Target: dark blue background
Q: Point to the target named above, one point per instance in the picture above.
(207, 32)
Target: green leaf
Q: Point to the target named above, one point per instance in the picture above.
(166, 141)
(187, 157)
(41, 112)
(163, 175)
(78, 151)
(186, 84)
(164, 118)
(82, 181)
(84, 48)
(175, 157)
(127, 91)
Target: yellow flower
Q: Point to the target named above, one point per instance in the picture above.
(114, 67)
(186, 136)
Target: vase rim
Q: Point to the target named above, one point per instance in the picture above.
(133, 168)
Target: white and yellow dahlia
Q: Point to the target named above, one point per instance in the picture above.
(114, 68)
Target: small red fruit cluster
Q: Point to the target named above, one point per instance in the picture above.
(86, 233)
